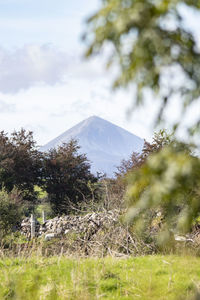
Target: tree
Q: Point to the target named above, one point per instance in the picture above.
(136, 160)
(169, 182)
(20, 163)
(67, 174)
(6, 162)
(151, 47)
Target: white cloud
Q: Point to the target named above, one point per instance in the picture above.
(50, 110)
(31, 65)
(6, 107)
(34, 65)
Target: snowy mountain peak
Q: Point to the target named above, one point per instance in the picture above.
(104, 143)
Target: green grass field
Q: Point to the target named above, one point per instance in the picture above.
(149, 277)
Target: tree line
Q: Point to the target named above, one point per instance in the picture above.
(63, 173)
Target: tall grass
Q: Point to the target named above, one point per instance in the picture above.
(149, 277)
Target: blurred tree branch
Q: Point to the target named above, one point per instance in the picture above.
(154, 51)
(150, 46)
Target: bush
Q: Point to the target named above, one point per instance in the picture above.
(169, 183)
(11, 211)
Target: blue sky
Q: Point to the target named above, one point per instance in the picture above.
(47, 21)
(45, 84)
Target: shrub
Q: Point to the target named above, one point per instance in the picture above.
(11, 211)
(165, 183)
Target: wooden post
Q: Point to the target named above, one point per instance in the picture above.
(32, 226)
(43, 217)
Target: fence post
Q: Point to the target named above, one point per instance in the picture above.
(43, 217)
(32, 226)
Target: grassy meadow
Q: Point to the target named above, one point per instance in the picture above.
(148, 277)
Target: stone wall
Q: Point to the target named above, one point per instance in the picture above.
(96, 234)
(59, 226)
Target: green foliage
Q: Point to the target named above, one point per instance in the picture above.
(46, 207)
(62, 174)
(136, 160)
(10, 211)
(149, 45)
(150, 277)
(41, 194)
(67, 174)
(20, 163)
(168, 182)
(13, 240)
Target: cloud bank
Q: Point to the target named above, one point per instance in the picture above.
(31, 65)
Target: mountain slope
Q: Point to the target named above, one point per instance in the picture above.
(104, 143)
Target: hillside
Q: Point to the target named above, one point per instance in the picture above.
(104, 143)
